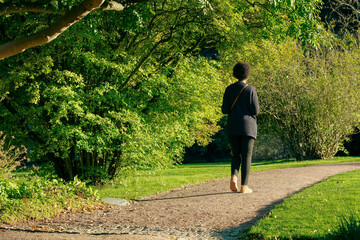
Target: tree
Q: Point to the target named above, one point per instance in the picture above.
(68, 18)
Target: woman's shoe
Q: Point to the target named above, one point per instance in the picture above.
(233, 184)
(245, 189)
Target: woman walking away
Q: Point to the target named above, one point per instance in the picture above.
(240, 102)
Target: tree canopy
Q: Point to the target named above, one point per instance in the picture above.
(297, 15)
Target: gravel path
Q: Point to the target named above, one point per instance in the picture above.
(204, 211)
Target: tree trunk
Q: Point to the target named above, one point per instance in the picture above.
(58, 166)
(68, 169)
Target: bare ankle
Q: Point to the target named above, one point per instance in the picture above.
(245, 189)
(233, 184)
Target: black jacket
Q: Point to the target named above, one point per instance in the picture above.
(241, 120)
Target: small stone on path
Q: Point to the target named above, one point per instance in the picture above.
(116, 201)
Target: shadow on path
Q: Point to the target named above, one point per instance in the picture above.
(184, 197)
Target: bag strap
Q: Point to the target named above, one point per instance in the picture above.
(232, 106)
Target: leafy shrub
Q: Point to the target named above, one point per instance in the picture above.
(87, 126)
(10, 156)
(308, 98)
(37, 198)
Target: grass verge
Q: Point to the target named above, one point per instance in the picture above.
(314, 213)
(145, 183)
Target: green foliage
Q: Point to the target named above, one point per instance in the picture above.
(36, 198)
(308, 98)
(298, 19)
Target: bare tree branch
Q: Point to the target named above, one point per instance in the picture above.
(111, 6)
(32, 7)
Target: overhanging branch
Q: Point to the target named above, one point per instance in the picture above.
(111, 6)
(6, 8)
(52, 32)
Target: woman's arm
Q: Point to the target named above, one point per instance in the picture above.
(225, 108)
(254, 103)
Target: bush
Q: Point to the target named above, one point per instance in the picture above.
(308, 98)
(87, 127)
(38, 198)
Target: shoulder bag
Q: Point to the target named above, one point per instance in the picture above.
(232, 106)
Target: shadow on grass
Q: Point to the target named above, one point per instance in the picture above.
(265, 163)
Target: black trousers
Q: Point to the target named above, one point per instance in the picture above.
(242, 148)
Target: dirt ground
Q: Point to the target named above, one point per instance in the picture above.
(204, 211)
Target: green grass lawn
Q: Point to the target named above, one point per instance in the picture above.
(145, 183)
(315, 212)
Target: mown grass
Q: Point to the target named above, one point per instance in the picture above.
(145, 183)
(314, 213)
